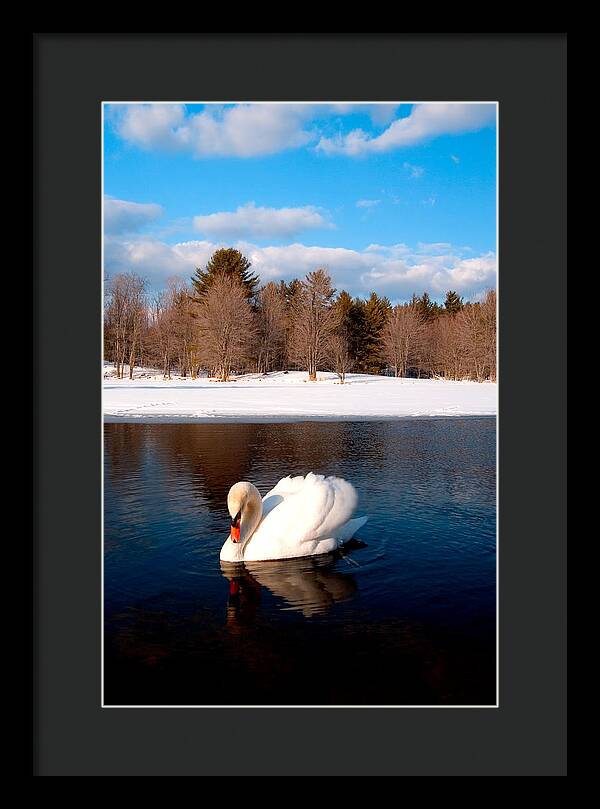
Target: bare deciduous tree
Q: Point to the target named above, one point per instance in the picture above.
(314, 320)
(115, 322)
(338, 348)
(161, 336)
(182, 323)
(125, 318)
(400, 337)
(271, 326)
(226, 326)
(478, 337)
(488, 312)
(448, 360)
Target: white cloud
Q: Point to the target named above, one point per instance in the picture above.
(454, 158)
(415, 171)
(240, 130)
(436, 247)
(251, 130)
(150, 258)
(424, 122)
(434, 274)
(243, 130)
(367, 203)
(470, 273)
(122, 216)
(150, 126)
(390, 250)
(250, 221)
(395, 270)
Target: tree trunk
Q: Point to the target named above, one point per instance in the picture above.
(131, 361)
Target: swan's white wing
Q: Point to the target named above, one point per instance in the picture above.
(300, 510)
(348, 530)
(285, 487)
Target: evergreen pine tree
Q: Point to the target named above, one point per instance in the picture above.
(344, 305)
(453, 303)
(292, 290)
(427, 309)
(351, 326)
(228, 262)
(374, 316)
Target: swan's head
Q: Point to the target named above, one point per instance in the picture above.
(244, 504)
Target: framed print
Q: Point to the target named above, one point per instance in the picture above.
(293, 473)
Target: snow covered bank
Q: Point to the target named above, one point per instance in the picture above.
(290, 397)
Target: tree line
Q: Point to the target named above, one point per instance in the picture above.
(223, 322)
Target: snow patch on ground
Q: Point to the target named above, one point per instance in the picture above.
(289, 397)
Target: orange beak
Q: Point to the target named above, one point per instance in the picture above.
(235, 527)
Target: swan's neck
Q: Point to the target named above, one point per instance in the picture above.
(250, 519)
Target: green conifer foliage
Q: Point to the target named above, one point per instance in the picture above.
(453, 303)
(374, 313)
(228, 262)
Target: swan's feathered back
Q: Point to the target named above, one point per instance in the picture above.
(307, 508)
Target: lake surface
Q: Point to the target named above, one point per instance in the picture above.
(408, 617)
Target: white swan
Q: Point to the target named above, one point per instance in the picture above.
(301, 516)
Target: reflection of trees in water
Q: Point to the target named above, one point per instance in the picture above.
(217, 456)
(395, 466)
(124, 449)
(439, 459)
(214, 456)
(310, 446)
(208, 459)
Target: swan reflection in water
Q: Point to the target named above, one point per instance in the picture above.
(309, 585)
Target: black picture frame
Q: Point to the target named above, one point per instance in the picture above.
(72, 75)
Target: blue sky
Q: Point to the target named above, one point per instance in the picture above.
(392, 198)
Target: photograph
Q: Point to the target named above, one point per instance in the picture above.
(300, 383)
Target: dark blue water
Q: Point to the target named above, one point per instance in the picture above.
(408, 617)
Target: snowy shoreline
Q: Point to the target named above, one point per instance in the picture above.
(290, 397)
